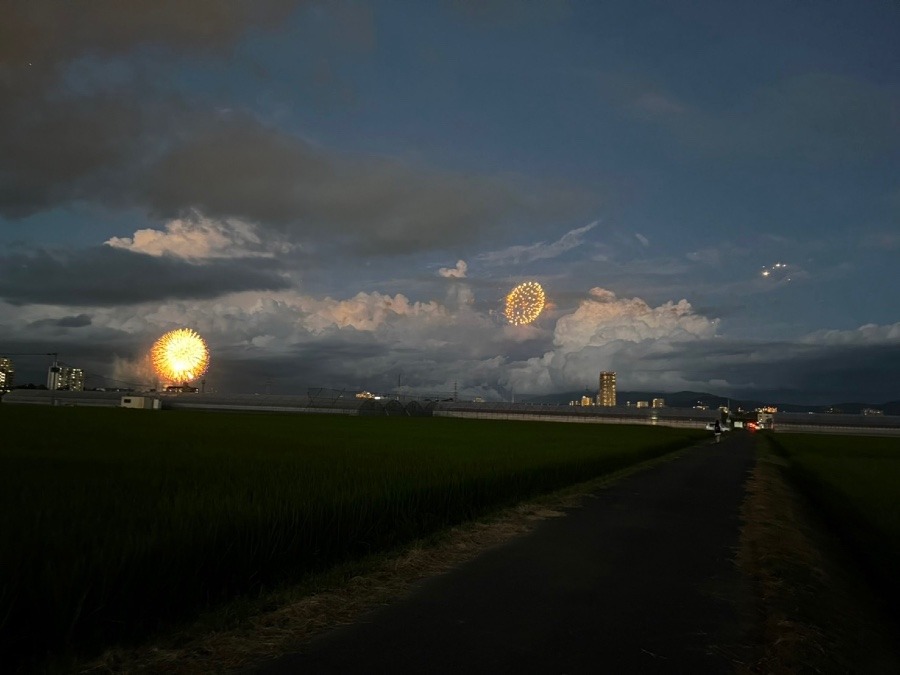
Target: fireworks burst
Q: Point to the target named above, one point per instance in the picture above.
(179, 356)
(524, 303)
(777, 272)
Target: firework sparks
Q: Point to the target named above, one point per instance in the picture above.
(778, 272)
(179, 356)
(524, 303)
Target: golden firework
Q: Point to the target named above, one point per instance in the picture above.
(179, 356)
(524, 303)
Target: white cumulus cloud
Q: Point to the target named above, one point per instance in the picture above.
(458, 272)
(869, 334)
(198, 238)
(603, 318)
(366, 311)
(605, 330)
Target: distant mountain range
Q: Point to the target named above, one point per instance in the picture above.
(688, 399)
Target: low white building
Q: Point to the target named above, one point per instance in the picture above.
(140, 402)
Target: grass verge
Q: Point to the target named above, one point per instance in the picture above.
(814, 612)
(852, 482)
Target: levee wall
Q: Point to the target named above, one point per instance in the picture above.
(578, 419)
(834, 429)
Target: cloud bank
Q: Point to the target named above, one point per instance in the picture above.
(287, 341)
(105, 276)
(90, 119)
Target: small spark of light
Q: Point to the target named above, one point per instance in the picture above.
(777, 271)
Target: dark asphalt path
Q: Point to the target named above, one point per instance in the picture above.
(640, 579)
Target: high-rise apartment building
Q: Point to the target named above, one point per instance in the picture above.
(72, 379)
(65, 377)
(7, 374)
(607, 394)
(53, 376)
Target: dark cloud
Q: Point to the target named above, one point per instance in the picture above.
(789, 372)
(42, 33)
(107, 151)
(241, 169)
(58, 144)
(348, 361)
(867, 373)
(95, 356)
(77, 321)
(106, 276)
(77, 149)
(71, 131)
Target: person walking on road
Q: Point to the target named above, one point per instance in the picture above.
(717, 430)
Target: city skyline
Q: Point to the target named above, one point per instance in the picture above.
(343, 195)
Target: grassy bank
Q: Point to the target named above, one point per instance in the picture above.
(852, 482)
(114, 522)
(812, 612)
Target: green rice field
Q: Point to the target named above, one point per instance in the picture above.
(115, 522)
(854, 483)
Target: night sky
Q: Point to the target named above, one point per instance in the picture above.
(341, 194)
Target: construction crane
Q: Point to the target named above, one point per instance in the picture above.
(55, 355)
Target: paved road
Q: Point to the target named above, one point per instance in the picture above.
(640, 579)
